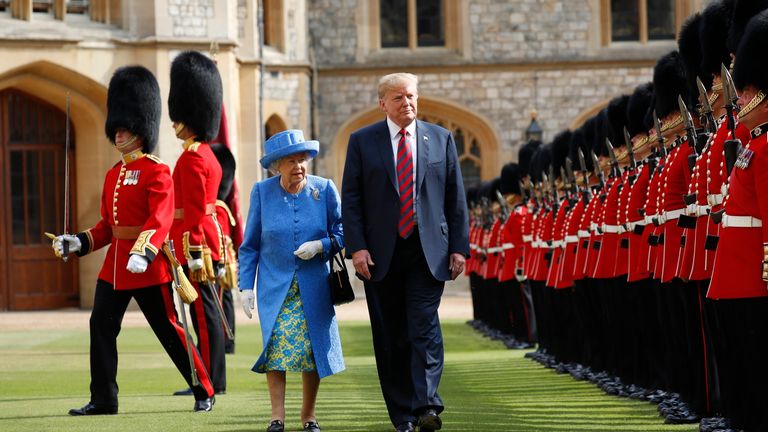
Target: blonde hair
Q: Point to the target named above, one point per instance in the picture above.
(388, 82)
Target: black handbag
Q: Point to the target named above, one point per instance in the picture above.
(341, 288)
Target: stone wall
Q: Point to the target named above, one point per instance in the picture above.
(504, 98)
(190, 17)
(286, 89)
(333, 30)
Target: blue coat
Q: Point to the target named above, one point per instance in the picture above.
(278, 223)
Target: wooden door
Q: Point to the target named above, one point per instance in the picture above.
(32, 143)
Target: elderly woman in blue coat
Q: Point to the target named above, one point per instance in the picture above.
(288, 241)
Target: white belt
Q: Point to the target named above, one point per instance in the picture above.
(715, 199)
(613, 229)
(494, 250)
(582, 234)
(558, 244)
(528, 238)
(593, 227)
(473, 246)
(631, 225)
(702, 210)
(649, 219)
(506, 246)
(740, 222)
(538, 243)
(672, 215)
(572, 239)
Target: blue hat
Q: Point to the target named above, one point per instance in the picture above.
(287, 143)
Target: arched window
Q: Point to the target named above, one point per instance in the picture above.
(467, 147)
(274, 125)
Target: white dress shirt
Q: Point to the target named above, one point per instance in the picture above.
(394, 136)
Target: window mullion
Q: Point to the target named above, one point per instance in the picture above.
(412, 31)
(642, 9)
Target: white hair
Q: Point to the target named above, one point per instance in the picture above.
(388, 82)
(273, 166)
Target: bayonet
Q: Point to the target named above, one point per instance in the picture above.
(730, 97)
(596, 169)
(503, 204)
(614, 162)
(705, 107)
(689, 126)
(659, 136)
(583, 167)
(630, 150)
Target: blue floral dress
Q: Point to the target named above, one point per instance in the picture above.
(289, 347)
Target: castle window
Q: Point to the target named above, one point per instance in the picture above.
(642, 20)
(412, 23)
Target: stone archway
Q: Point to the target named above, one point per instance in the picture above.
(93, 155)
(481, 143)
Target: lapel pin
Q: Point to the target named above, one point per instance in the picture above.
(426, 138)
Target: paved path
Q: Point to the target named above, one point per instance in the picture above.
(456, 304)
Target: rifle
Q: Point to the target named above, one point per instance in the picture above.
(188, 346)
(504, 206)
(731, 147)
(705, 109)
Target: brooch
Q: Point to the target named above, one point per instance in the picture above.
(131, 177)
(316, 194)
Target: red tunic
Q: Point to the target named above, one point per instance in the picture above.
(136, 196)
(528, 228)
(572, 221)
(609, 224)
(582, 250)
(622, 253)
(493, 252)
(196, 179)
(738, 263)
(651, 212)
(512, 245)
(675, 178)
(541, 239)
(558, 243)
(639, 248)
(595, 238)
(473, 262)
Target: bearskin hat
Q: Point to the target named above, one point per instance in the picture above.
(196, 94)
(560, 146)
(228, 165)
(668, 83)
(540, 162)
(617, 119)
(743, 11)
(602, 131)
(637, 107)
(749, 68)
(524, 156)
(133, 103)
(689, 46)
(471, 193)
(510, 179)
(713, 33)
(589, 135)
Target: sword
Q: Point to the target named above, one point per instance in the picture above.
(706, 108)
(187, 338)
(220, 308)
(65, 244)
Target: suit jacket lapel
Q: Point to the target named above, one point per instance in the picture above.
(423, 135)
(384, 142)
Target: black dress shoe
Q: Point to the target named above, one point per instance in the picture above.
(204, 405)
(405, 427)
(311, 426)
(91, 409)
(276, 426)
(429, 421)
(186, 392)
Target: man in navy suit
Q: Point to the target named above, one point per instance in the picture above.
(406, 227)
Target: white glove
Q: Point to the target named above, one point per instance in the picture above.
(137, 264)
(309, 249)
(58, 244)
(195, 264)
(520, 276)
(221, 271)
(248, 299)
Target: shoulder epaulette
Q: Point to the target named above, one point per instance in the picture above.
(155, 159)
(193, 147)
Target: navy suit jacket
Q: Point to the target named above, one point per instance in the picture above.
(371, 203)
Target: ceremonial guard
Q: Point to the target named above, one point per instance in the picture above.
(136, 216)
(194, 104)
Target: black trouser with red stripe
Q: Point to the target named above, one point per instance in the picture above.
(210, 332)
(156, 302)
(229, 311)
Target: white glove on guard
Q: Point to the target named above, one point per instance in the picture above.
(58, 244)
(137, 264)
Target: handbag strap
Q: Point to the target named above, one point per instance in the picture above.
(337, 257)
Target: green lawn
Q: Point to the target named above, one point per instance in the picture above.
(485, 387)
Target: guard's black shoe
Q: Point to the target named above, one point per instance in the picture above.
(429, 421)
(92, 409)
(204, 405)
(186, 392)
(311, 426)
(405, 427)
(276, 426)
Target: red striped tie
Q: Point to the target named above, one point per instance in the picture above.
(405, 180)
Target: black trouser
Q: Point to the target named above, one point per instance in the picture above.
(407, 339)
(517, 307)
(210, 332)
(156, 302)
(229, 310)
